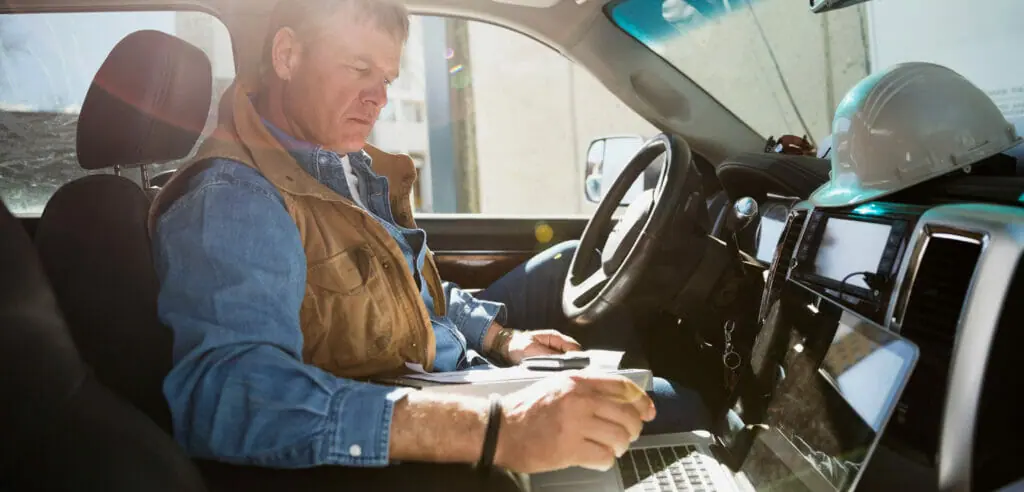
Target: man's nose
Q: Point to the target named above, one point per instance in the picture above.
(377, 94)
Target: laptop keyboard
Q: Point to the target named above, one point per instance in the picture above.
(665, 469)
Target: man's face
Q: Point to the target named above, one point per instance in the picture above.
(337, 82)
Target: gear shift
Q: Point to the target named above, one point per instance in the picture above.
(743, 213)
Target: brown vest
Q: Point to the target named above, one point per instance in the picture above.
(362, 314)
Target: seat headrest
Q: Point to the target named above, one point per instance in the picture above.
(755, 174)
(148, 103)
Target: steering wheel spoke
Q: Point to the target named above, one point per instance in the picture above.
(586, 290)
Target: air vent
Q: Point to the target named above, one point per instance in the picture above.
(937, 294)
(933, 310)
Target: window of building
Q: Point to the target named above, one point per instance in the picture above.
(48, 62)
(412, 111)
(501, 121)
(387, 113)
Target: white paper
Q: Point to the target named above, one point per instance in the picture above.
(416, 368)
(607, 360)
(479, 376)
(600, 360)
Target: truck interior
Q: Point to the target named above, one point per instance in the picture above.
(84, 353)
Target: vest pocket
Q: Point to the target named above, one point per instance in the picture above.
(347, 316)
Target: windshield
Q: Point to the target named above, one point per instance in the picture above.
(783, 69)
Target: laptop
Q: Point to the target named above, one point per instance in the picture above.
(821, 425)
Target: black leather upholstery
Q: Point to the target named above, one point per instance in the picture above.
(60, 429)
(148, 103)
(93, 240)
(757, 174)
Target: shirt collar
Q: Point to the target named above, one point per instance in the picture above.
(306, 153)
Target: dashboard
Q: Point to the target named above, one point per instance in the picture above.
(944, 277)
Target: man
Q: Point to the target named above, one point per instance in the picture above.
(291, 271)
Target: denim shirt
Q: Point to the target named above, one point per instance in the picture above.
(232, 273)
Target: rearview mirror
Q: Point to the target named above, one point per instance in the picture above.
(606, 158)
(820, 6)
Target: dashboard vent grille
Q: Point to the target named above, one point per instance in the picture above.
(937, 295)
(933, 311)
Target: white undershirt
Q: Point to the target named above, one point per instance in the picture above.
(352, 180)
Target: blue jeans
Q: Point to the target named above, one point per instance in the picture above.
(532, 294)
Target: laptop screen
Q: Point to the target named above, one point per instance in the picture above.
(825, 419)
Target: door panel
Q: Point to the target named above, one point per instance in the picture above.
(474, 251)
(477, 270)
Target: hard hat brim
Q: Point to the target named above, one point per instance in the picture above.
(830, 196)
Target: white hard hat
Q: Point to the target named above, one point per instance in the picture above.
(905, 125)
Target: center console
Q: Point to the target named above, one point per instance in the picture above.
(850, 257)
(938, 277)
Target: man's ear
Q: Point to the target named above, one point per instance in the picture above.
(286, 53)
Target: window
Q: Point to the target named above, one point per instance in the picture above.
(507, 131)
(387, 113)
(412, 111)
(783, 69)
(47, 62)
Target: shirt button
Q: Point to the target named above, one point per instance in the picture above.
(355, 450)
(386, 265)
(323, 159)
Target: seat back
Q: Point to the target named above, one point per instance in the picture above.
(60, 429)
(148, 103)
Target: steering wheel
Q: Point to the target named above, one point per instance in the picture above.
(630, 246)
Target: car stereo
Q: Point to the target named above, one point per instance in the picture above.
(852, 257)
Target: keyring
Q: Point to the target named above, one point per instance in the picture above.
(731, 360)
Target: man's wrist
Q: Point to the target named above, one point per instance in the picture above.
(498, 348)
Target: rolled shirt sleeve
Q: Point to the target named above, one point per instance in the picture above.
(472, 316)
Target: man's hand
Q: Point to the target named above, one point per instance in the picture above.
(540, 342)
(571, 419)
(568, 419)
(512, 346)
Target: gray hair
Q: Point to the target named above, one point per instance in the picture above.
(307, 19)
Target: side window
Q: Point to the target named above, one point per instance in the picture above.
(498, 123)
(47, 62)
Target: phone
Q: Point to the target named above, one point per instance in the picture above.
(558, 362)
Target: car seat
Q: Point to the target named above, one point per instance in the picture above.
(148, 103)
(61, 429)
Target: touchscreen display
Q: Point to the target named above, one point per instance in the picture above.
(824, 418)
(850, 246)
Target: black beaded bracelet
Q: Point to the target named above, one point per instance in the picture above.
(490, 435)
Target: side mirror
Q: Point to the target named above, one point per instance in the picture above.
(606, 158)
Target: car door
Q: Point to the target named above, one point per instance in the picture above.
(499, 127)
(474, 251)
